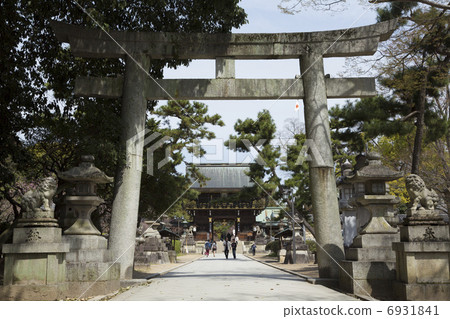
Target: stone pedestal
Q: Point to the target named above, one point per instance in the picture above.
(151, 251)
(188, 243)
(282, 256)
(35, 266)
(89, 269)
(189, 249)
(190, 240)
(423, 260)
(369, 267)
(260, 249)
(172, 256)
(302, 255)
(200, 247)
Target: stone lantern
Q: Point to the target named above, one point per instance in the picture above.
(369, 266)
(84, 200)
(370, 192)
(90, 269)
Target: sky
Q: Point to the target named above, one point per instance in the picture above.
(265, 17)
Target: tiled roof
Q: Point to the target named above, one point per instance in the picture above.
(222, 176)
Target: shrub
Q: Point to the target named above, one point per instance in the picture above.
(274, 247)
(311, 246)
(177, 247)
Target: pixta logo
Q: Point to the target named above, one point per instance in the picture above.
(150, 142)
(309, 151)
(140, 142)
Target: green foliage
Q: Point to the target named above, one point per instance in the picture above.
(221, 228)
(398, 189)
(415, 72)
(178, 246)
(311, 246)
(167, 184)
(44, 128)
(396, 153)
(299, 180)
(274, 247)
(394, 10)
(357, 123)
(262, 131)
(267, 183)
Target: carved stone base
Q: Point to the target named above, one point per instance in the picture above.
(37, 234)
(89, 269)
(37, 222)
(423, 270)
(422, 292)
(369, 266)
(424, 232)
(35, 260)
(35, 264)
(33, 292)
(425, 217)
(367, 278)
(261, 240)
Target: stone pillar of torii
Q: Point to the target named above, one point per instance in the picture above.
(136, 87)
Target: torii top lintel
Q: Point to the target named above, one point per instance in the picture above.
(95, 43)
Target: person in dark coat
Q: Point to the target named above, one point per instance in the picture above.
(226, 248)
(233, 248)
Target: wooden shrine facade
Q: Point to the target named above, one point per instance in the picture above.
(215, 202)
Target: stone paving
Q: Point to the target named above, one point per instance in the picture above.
(142, 272)
(310, 270)
(215, 278)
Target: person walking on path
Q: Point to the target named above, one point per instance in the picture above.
(233, 248)
(253, 249)
(207, 248)
(226, 247)
(214, 248)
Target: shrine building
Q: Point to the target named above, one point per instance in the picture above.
(217, 203)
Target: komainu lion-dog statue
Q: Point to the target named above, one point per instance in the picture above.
(421, 197)
(40, 199)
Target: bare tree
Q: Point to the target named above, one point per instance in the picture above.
(435, 4)
(296, 6)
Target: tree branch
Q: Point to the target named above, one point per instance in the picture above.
(430, 3)
(408, 116)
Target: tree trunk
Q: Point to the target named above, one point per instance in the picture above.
(420, 124)
(309, 227)
(300, 214)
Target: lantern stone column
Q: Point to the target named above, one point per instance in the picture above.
(330, 248)
(128, 184)
(89, 269)
(369, 267)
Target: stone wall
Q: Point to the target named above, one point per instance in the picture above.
(151, 251)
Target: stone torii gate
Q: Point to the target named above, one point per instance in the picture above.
(135, 88)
